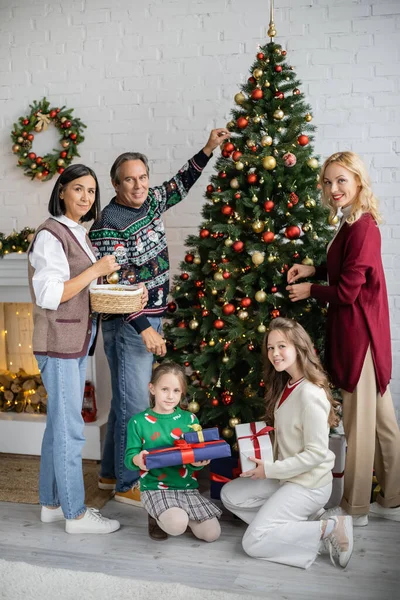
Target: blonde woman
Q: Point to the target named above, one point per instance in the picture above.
(358, 349)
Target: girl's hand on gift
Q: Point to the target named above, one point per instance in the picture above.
(201, 463)
(258, 472)
(139, 460)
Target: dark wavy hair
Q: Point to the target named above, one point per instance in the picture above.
(56, 204)
(307, 360)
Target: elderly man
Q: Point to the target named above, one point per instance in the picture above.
(131, 227)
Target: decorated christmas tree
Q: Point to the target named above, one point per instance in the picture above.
(262, 214)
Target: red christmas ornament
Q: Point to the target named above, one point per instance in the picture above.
(39, 159)
(204, 233)
(215, 401)
(172, 306)
(289, 159)
(253, 148)
(226, 346)
(226, 210)
(251, 80)
(225, 154)
(242, 122)
(31, 137)
(260, 56)
(229, 147)
(302, 140)
(296, 92)
(189, 258)
(251, 178)
(24, 134)
(59, 170)
(268, 237)
(25, 122)
(228, 309)
(237, 196)
(67, 125)
(62, 155)
(296, 255)
(279, 95)
(278, 68)
(210, 189)
(293, 198)
(226, 398)
(73, 136)
(200, 294)
(283, 52)
(31, 156)
(268, 205)
(184, 276)
(215, 235)
(222, 174)
(257, 94)
(226, 275)
(199, 284)
(245, 302)
(290, 205)
(238, 246)
(219, 324)
(274, 289)
(292, 232)
(181, 325)
(250, 347)
(205, 313)
(224, 259)
(236, 155)
(53, 114)
(275, 313)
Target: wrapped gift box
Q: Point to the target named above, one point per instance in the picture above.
(201, 435)
(183, 453)
(253, 440)
(222, 470)
(337, 443)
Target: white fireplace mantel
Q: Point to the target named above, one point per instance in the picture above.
(22, 433)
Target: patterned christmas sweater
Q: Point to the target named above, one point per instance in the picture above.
(137, 238)
(149, 430)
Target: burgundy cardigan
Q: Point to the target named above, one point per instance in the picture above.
(358, 313)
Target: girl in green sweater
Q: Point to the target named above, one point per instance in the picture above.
(170, 495)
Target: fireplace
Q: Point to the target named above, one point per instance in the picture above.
(21, 432)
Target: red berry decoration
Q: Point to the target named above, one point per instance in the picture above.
(229, 147)
(274, 289)
(219, 324)
(200, 294)
(242, 122)
(184, 276)
(278, 68)
(210, 189)
(226, 210)
(269, 205)
(215, 401)
(302, 140)
(198, 283)
(268, 237)
(245, 302)
(293, 198)
(260, 56)
(204, 233)
(172, 306)
(257, 94)
(189, 258)
(251, 178)
(226, 398)
(236, 155)
(238, 246)
(205, 313)
(275, 313)
(222, 174)
(292, 232)
(279, 95)
(228, 309)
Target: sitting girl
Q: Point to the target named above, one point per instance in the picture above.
(170, 494)
(279, 498)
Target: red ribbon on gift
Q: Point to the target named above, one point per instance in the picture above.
(186, 450)
(254, 437)
(222, 479)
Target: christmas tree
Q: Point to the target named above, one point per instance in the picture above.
(261, 215)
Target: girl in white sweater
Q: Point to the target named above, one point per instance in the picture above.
(278, 498)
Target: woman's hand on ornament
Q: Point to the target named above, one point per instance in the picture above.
(217, 136)
(258, 472)
(139, 460)
(300, 291)
(201, 463)
(299, 271)
(106, 265)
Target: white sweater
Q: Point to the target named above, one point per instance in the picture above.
(301, 438)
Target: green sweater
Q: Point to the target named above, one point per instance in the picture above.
(149, 430)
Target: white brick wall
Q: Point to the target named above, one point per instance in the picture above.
(156, 75)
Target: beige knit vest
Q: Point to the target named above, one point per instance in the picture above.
(65, 332)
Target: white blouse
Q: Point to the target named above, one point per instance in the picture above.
(51, 265)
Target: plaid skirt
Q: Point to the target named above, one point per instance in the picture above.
(195, 506)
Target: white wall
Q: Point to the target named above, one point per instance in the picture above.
(157, 75)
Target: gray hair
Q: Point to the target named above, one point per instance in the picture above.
(123, 158)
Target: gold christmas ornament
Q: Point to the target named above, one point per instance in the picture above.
(230, 125)
(234, 183)
(250, 143)
(308, 117)
(279, 114)
(33, 166)
(65, 144)
(197, 260)
(239, 166)
(194, 406)
(310, 203)
(211, 343)
(260, 296)
(113, 277)
(307, 227)
(16, 148)
(193, 324)
(333, 220)
(258, 226)
(261, 328)
(60, 162)
(267, 84)
(254, 199)
(269, 163)
(218, 276)
(234, 421)
(243, 315)
(214, 292)
(257, 73)
(256, 119)
(271, 258)
(307, 261)
(257, 258)
(228, 242)
(240, 98)
(225, 359)
(216, 199)
(312, 163)
(266, 140)
(227, 432)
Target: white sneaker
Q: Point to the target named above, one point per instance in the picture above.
(376, 510)
(91, 522)
(51, 515)
(340, 541)
(338, 511)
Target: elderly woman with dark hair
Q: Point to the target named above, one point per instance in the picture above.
(62, 267)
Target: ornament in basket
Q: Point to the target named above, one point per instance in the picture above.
(116, 299)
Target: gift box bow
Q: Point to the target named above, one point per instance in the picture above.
(186, 449)
(254, 437)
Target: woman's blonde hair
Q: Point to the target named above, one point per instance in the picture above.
(165, 369)
(365, 201)
(307, 360)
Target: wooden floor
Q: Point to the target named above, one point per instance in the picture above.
(373, 573)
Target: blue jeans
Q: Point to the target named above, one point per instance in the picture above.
(61, 477)
(131, 367)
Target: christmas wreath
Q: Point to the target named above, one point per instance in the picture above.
(16, 242)
(39, 118)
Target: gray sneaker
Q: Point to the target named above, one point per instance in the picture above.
(338, 511)
(340, 541)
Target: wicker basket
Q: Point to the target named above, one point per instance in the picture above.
(115, 299)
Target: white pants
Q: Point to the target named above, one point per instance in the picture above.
(279, 530)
